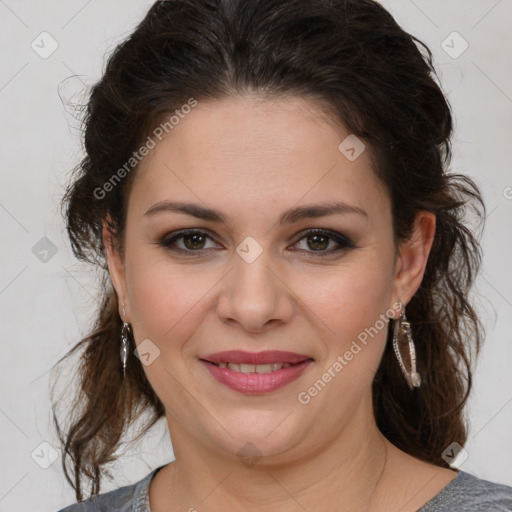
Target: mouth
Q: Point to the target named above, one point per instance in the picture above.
(252, 368)
(256, 372)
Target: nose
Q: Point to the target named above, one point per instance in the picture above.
(255, 295)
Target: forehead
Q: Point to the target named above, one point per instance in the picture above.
(251, 154)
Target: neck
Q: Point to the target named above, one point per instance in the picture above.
(346, 470)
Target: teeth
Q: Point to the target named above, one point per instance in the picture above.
(254, 368)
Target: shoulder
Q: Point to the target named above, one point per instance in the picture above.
(468, 492)
(119, 500)
(130, 498)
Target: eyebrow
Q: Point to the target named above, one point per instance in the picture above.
(291, 216)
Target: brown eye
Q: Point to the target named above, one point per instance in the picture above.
(320, 240)
(186, 241)
(195, 241)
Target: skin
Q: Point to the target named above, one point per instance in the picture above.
(252, 159)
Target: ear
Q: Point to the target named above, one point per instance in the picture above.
(412, 258)
(116, 270)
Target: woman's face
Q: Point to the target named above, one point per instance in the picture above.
(260, 281)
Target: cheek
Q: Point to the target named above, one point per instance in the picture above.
(348, 300)
(165, 300)
(167, 306)
(351, 303)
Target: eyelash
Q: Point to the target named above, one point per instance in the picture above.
(345, 243)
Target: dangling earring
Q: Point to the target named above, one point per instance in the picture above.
(124, 343)
(413, 378)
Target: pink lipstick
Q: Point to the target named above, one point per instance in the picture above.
(256, 372)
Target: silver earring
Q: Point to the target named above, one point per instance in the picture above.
(124, 343)
(413, 378)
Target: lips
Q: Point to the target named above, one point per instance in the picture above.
(253, 368)
(256, 372)
(256, 358)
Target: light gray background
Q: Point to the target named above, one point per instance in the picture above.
(46, 306)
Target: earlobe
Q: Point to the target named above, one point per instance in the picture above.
(413, 257)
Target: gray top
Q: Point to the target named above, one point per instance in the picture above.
(465, 493)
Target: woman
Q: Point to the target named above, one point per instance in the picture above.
(265, 186)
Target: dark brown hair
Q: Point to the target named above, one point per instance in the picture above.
(376, 80)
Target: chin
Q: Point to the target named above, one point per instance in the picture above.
(257, 434)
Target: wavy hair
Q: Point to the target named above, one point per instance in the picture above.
(372, 77)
